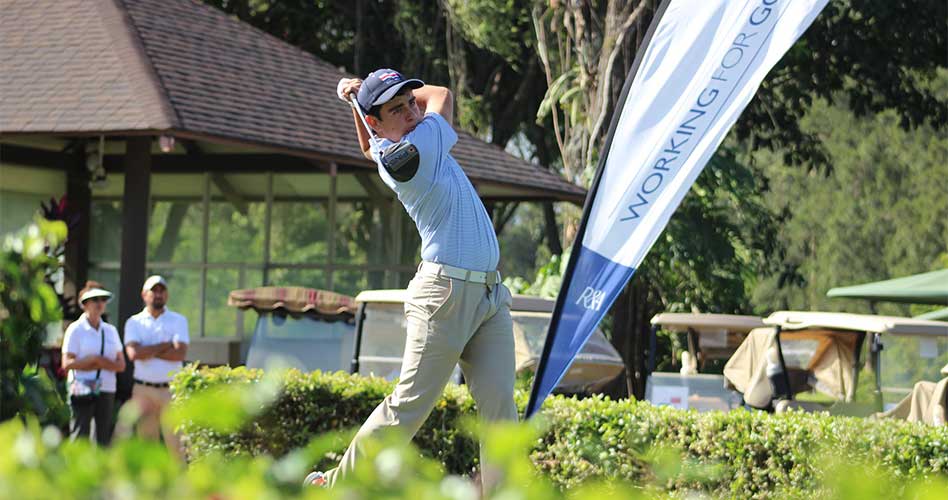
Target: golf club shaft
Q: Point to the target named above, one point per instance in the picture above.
(355, 105)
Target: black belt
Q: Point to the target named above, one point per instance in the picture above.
(152, 384)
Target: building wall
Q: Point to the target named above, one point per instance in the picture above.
(22, 190)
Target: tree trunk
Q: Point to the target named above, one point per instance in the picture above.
(169, 238)
(552, 231)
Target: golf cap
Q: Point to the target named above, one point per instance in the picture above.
(95, 292)
(381, 86)
(152, 281)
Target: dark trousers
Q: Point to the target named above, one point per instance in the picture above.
(101, 409)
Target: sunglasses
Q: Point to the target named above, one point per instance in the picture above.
(96, 299)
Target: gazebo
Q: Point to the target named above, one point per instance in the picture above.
(194, 145)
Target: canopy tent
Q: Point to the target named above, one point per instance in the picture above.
(292, 299)
(936, 315)
(925, 288)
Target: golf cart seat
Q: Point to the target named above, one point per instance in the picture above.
(928, 403)
(823, 364)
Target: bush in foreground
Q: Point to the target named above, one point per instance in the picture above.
(738, 454)
(38, 464)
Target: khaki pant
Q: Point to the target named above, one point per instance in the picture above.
(449, 321)
(151, 402)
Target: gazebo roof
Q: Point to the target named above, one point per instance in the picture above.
(181, 67)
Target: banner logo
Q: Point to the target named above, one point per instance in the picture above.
(591, 299)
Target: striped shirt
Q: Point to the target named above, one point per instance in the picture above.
(451, 219)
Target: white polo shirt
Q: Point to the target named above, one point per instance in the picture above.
(83, 340)
(147, 330)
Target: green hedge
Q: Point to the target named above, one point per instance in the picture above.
(313, 404)
(736, 454)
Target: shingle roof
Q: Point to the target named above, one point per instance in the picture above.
(180, 65)
(62, 70)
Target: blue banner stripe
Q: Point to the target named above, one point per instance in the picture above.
(597, 282)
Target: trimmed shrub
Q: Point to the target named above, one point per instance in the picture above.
(313, 404)
(738, 454)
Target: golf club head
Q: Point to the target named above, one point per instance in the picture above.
(400, 161)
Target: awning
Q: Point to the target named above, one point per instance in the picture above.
(292, 299)
(925, 288)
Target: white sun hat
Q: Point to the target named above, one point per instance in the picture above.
(95, 292)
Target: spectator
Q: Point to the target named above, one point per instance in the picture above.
(156, 339)
(92, 355)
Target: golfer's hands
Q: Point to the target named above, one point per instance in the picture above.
(348, 86)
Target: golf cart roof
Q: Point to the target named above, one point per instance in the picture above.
(292, 299)
(895, 325)
(705, 323)
(523, 303)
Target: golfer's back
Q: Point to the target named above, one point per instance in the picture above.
(451, 219)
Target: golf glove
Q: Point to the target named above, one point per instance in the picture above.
(340, 87)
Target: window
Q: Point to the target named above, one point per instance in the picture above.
(211, 233)
(907, 359)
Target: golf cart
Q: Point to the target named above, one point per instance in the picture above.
(710, 338)
(298, 327)
(928, 403)
(812, 361)
(380, 341)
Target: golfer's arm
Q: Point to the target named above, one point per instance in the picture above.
(363, 135)
(432, 99)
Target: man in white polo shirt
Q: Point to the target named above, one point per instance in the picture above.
(156, 339)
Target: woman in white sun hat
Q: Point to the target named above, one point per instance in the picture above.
(92, 354)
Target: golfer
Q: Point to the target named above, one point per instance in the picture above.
(457, 309)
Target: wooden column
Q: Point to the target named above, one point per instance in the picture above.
(79, 201)
(135, 203)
